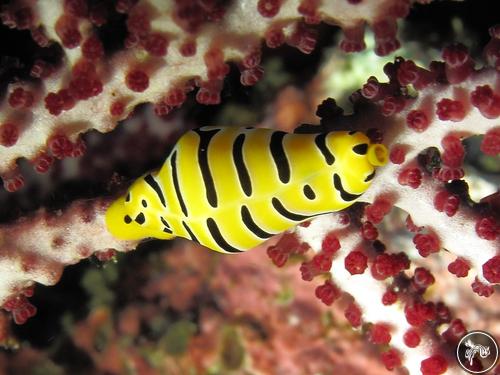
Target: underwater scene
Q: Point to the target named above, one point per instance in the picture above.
(249, 187)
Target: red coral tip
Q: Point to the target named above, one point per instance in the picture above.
(92, 48)
(268, 8)
(411, 338)
(369, 232)
(450, 110)
(447, 202)
(117, 108)
(379, 334)
(417, 120)
(156, 44)
(353, 314)
(482, 289)
(327, 292)
(356, 262)
(20, 98)
(491, 270)
(410, 177)
(9, 134)
(250, 77)
(422, 279)
(330, 244)
(376, 211)
(389, 298)
(426, 244)
(490, 144)
(487, 228)
(42, 162)
(459, 267)
(391, 359)
(137, 80)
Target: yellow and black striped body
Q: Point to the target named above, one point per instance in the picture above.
(230, 189)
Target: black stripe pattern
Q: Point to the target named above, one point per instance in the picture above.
(337, 182)
(175, 180)
(217, 236)
(154, 185)
(361, 149)
(370, 177)
(205, 138)
(309, 192)
(247, 219)
(279, 156)
(190, 232)
(278, 206)
(167, 228)
(140, 219)
(241, 168)
(320, 141)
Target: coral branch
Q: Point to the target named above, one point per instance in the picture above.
(37, 248)
(171, 47)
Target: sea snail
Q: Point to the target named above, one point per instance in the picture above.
(230, 189)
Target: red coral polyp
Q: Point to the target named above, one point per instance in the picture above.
(60, 146)
(459, 267)
(389, 297)
(137, 80)
(304, 38)
(482, 289)
(9, 134)
(42, 162)
(417, 313)
(92, 48)
(175, 97)
(376, 211)
(380, 334)
(450, 110)
(353, 314)
(411, 338)
(411, 177)
(268, 8)
(397, 154)
(485, 100)
(67, 29)
(250, 77)
(156, 44)
(391, 359)
(387, 265)
(417, 120)
(491, 270)
(422, 279)
(458, 64)
(454, 152)
(446, 202)
(20, 98)
(76, 8)
(426, 244)
(84, 87)
(490, 144)
(487, 228)
(327, 293)
(434, 365)
(455, 331)
(356, 262)
(20, 307)
(274, 37)
(13, 182)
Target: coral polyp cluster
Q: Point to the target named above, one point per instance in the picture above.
(426, 166)
(409, 268)
(167, 49)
